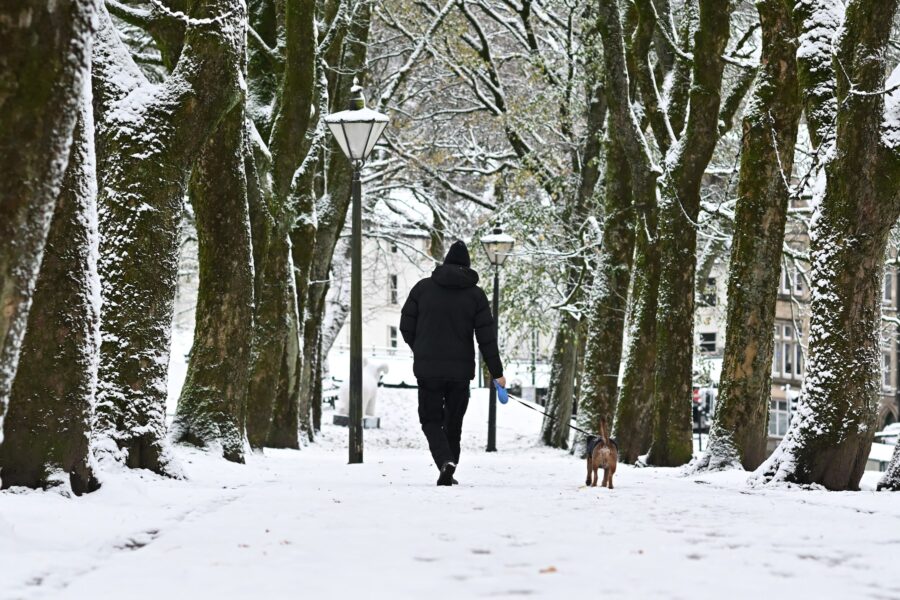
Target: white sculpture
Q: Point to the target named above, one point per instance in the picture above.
(371, 373)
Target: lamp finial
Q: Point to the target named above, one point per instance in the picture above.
(357, 97)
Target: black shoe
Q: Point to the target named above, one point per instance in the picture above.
(455, 482)
(446, 477)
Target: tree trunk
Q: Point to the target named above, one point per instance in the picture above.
(630, 428)
(555, 431)
(686, 162)
(276, 406)
(46, 48)
(831, 433)
(262, 232)
(308, 376)
(609, 297)
(316, 398)
(312, 334)
(284, 430)
(632, 423)
(739, 432)
(148, 136)
(303, 237)
(331, 208)
(337, 299)
(47, 431)
(891, 479)
(211, 409)
(273, 326)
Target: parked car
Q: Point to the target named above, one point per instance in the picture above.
(889, 435)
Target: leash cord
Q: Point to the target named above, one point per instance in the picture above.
(552, 418)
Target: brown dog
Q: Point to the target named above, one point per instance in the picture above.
(602, 453)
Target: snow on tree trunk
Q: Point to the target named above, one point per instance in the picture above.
(609, 297)
(739, 431)
(891, 479)
(632, 423)
(685, 164)
(285, 92)
(630, 428)
(332, 206)
(48, 428)
(584, 199)
(212, 406)
(831, 433)
(148, 136)
(46, 48)
(303, 237)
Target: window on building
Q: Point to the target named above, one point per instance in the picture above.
(392, 336)
(708, 293)
(393, 287)
(788, 359)
(791, 282)
(887, 370)
(888, 294)
(708, 342)
(779, 417)
(776, 360)
(394, 248)
(787, 362)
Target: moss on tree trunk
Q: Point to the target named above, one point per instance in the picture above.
(332, 207)
(48, 428)
(831, 433)
(738, 435)
(631, 428)
(609, 297)
(211, 409)
(632, 422)
(145, 150)
(272, 329)
(284, 430)
(686, 161)
(46, 49)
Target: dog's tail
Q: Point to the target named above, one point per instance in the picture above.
(603, 431)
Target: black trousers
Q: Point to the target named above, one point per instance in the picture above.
(442, 406)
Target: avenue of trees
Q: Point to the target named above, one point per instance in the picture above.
(628, 144)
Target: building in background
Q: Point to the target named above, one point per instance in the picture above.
(790, 332)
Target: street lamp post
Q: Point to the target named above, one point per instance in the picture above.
(497, 245)
(356, 131)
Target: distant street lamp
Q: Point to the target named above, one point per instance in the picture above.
(356, 131)
(497, 245)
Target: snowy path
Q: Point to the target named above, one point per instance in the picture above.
(305, 524)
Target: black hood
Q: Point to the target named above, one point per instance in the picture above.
(454, 276)
(458, 254)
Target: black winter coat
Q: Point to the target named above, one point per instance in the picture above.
(438, 320)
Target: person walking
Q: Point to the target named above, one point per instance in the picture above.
(438, 320)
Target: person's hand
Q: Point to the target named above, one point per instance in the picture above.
(502, 381)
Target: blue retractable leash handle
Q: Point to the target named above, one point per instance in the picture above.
(502, 396)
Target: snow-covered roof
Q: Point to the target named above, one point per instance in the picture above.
(401, 209)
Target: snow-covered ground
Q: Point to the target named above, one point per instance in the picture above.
(304, 524)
